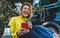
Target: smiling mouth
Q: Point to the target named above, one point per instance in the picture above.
(26, 13)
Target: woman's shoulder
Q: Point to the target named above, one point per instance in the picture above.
(15, 17)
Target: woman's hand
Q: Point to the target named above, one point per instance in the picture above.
(30, 25)
(22, 31)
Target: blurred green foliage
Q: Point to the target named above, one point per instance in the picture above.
(5, 14)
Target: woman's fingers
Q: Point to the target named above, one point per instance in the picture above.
(22, 31)
(30, 25)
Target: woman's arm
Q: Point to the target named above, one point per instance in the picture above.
(12, 28)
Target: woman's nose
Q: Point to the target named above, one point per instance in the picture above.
(26, 9)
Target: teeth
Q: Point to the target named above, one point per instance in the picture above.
(25, 12)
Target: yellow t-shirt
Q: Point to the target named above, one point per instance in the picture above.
(15, 25)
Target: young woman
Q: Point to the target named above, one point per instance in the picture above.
(15, 22)
(18, 32)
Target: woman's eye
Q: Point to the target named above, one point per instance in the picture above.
(28, 9)
(25, 8)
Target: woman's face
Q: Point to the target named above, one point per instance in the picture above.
(25, 11)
